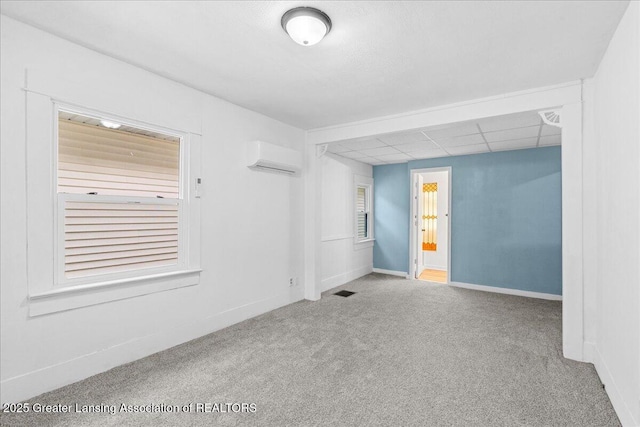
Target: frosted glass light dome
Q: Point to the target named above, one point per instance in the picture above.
(306, 25)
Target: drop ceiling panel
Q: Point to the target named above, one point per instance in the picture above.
(468, 149)
(518, 134)
(353, 155)
(337, 148)
(550, 130)
(402, 138)
(451, 130)
(416, 146)
(369, 160)
(510, 121)
(428, 154)
(511, 134)
(460, 140)
(377, 152)
(398, 157)
(514, 144)
(362, 144)
(549, 140)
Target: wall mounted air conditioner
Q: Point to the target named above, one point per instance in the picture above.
(268, 157)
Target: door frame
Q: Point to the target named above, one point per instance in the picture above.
(414, 225)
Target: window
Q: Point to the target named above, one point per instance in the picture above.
(113, 205)
(363, 209)
(362, 213)
(119, 198)
(430, 217)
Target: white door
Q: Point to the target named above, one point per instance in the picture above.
(432, 255)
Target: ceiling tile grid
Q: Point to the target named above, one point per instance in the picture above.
(428, 154)
(377, 152)
(468, 149)
(393, 158)
(403, 138)
(513, 145)
(460, 140)
(442, 132)
(510, 132)
(519, 120)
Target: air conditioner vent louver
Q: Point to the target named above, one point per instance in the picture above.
(273, 169)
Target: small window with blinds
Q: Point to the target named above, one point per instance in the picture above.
(363, 220)
(119, 199)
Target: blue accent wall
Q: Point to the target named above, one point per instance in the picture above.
(391, 217)
(506, 218)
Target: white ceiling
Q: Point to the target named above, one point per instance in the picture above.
(510, 132)
(380, 58)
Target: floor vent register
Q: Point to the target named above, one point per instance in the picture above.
(344, 293)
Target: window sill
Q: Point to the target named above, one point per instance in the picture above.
(364, 244)
(73, 297)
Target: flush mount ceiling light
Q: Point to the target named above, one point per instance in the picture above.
(306, 25)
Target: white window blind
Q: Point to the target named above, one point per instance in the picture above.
(119, 199)
(104, 238)
(362, 213)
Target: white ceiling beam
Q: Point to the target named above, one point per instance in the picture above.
(508, 103)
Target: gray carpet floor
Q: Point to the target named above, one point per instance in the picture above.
(397, 353)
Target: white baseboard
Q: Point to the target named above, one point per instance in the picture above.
(391, 272)
(31, 384)
(507, 291)
(619, 405)
(342, 278)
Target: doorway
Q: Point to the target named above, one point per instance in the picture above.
(431, 208)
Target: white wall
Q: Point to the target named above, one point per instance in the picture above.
(251, 221)
(342, 260)
(438, 259)
(612, 218)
